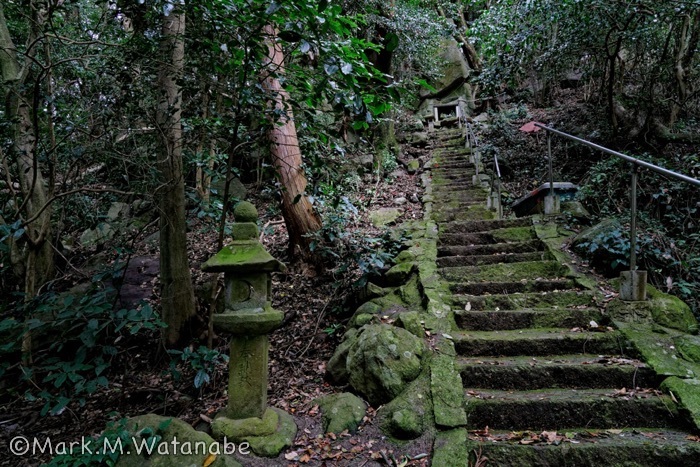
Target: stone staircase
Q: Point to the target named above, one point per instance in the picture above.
(547, 379)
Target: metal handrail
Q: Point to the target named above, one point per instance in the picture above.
(636, 164)
(472, 142)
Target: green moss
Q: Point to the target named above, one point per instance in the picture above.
(507, 272)
(245, 212)
(243, 257)
(657, 347)
(144, 427)
(341, 412)
(411, 322)
(282, 438)
(689, 347)
(671, 311)
(411, 413)
(447, 392)
(513, 234)
(450, 448)
(399, 273)
(239, 429)
(687, 393)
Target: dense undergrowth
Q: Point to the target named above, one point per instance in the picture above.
(668, 237)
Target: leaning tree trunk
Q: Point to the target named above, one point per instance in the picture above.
(298, 213)
(686, 51)
(177, 294)
(31, 253)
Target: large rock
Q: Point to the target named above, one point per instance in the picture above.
(237, 189)
(384, 216)
(174, 444)
(382, 361)
(341, 412)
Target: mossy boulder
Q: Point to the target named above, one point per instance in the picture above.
(399, 274)
(384, 216)
(671, 312)
(341, 412)
(193, 447)
(687, 393)
(410, 414)
(689, 347)
(337, 368)
(382, 361)
(412, 166)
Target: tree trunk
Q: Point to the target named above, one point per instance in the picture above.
(298, 213)
(34, 247)
(177, 294)
(686, 50)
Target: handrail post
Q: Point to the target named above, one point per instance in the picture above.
(633, 218)
(633, 283)
(551, 203)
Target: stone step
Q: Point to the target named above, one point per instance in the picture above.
(536, 342)
(562, 299)
(506, 272)
(453, 176)
(455, 185)
(511, 234)
(454, 164)
(510, 287)
(492, 320)
(558, 371)
(585, 448)
(453, 142)
(478, 211)
(491, 249)
(455, 196)
(475, 260)
(559, 409)
(484, 226)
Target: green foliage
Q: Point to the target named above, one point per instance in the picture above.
(386, 162)
(115, 439)
(203, 361)
(355, 257)
(83, 330)
(668, 233)
(617, 45)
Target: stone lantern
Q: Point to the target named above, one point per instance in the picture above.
(249, 317)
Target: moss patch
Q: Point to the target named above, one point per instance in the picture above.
(671, 311)
(411, 413)
(687, 393)
(513, 234)
(450, 448)
(658, 349)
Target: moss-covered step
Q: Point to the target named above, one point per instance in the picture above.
(453, 181)
(562, 299)
(585, 448)
(484, 226)
(506, 272)
(455, 161)
(446, 142)
(510, 287)
(476, 260)
(491, 249)
(555, 371)
(536, 342)
(452, 198)
(478, 211)
(559, 409)
(492, 320)
(512, 234)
